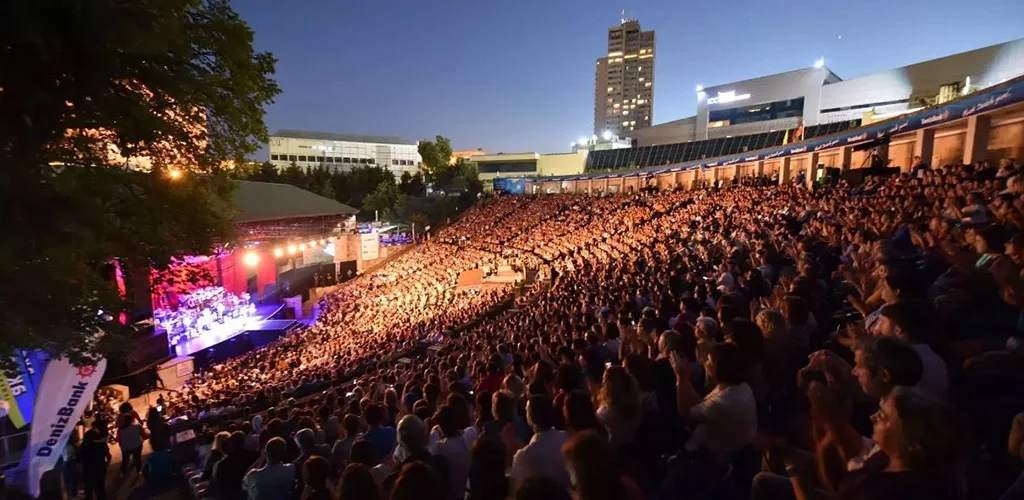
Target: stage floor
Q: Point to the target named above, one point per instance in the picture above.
(229, 329)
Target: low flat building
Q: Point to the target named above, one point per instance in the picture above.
(517, 165)
(343, 151)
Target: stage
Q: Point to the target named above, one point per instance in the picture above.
(231, 328)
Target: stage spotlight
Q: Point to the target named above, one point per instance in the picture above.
(278, 252)
(302, 246)
(291, 249)
(251, 259)
(323, 241)
(312, 243)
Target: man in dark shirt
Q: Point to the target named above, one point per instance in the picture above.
(95, 457)
(229, 471)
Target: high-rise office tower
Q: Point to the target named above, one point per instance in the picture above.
(624, 83)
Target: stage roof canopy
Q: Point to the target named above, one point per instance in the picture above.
(267, 201)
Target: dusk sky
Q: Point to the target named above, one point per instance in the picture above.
(518, 75)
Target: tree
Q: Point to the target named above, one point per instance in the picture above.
(383, 200)
(265, 172)
(114, 130)
(412, 185)
(360, 182)
(420, 221)
(436, 156)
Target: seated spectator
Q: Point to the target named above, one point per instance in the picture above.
(217, 452)
(417, 481)
(342, 447)
(228, 473)
(579, 414)
(542, 456)
(912, 322)
(619, 406)
(592, 472)
(727, 417)
(453, 447)
(357, 484)
(413, 440)
(270, 478)
(487, 479)
(920, 451)
(315, 471)
(883, 363)
(381, 438)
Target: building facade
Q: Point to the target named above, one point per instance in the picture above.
(817, 96)
(343, 151)
(627, 71)
(600, 95)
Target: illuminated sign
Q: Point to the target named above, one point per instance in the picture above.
(726, 97)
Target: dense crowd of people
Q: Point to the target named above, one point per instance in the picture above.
(751, 341)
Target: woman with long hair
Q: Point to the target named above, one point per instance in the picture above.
(314, 476)
(579, 415)
(619, 405)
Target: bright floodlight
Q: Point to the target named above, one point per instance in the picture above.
(607, 135)
(700, 88)
(302, 246)
(291, 249)
(278, 252)
(251, 259)
(820, 63)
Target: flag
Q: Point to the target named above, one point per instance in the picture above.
(785, 139)
(798, 135)
(63, 395)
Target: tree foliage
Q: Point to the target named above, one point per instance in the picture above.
(412, 185)
(436, 156)
(382, 200)
(99, 101)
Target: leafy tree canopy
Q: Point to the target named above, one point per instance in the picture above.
(436, 156)
(116, 122)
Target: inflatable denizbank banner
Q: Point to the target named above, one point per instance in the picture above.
(983, 101)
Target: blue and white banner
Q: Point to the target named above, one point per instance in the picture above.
(510, 186)
(18, 389)
(63, 395)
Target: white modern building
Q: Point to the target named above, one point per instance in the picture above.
(343, 151)
(816, 96)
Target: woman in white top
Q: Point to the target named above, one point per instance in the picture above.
(726, 419)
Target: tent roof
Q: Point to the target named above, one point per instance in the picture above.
(264, 201)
